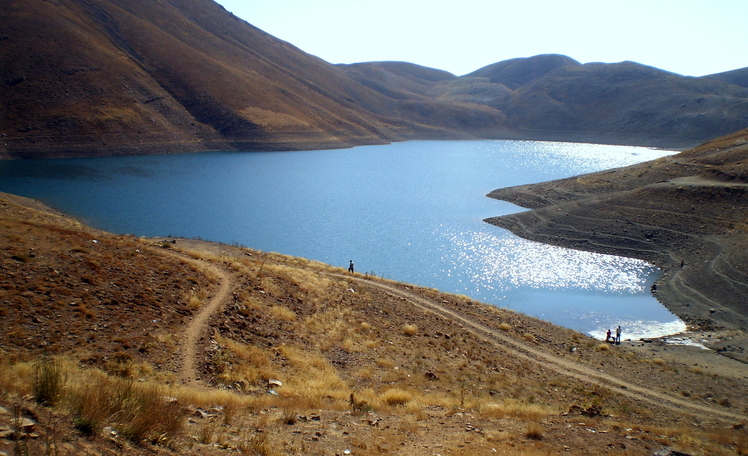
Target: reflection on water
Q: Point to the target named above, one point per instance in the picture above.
(492, 262)
(408, 211)
(594, 292)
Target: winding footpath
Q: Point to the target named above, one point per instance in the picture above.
(496, 338)
(189, 343)
(577, 371)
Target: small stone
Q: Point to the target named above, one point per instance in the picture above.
(25, 425)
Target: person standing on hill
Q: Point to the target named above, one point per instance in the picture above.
(350, 266)
(607, 336)
(618, 335)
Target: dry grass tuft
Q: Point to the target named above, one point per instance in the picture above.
(138, 411)
(505, 327)
(396, 397)
(282, 313)
(603, 347)
(48, 381)
(410, 330)
(534, 431)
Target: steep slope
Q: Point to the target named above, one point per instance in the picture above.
(107, 77)
(120, 76)
(685, 213)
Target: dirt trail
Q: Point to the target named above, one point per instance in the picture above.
(188, 348)
(560, 365)
(496, 338)
(187, 373)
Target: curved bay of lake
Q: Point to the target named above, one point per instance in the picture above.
(411, 212)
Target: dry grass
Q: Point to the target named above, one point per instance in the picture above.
(410, 330)
(534, 431)
(396, 397)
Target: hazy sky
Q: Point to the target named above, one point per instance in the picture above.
(690, 37)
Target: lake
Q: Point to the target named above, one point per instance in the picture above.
(409, 211)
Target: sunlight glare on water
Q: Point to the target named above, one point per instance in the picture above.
(500, 263)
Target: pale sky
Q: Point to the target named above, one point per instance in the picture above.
(689, 37)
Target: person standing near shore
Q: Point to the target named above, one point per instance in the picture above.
(350, 266)
(618, 335)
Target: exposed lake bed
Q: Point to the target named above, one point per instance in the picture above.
(411, 211)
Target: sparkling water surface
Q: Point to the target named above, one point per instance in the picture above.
(408, 211)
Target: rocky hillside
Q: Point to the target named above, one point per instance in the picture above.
(106, 77)
(113, 345)
(685, 213)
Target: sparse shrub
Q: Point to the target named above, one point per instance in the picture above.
(396, 396)
(505, 326)
(283, 313)
(289, 416)
(529, 337)
(257, 445)
(206, 433)
(603, 347)
(410, 330)
(48, 381)
(659, 362)
(534, 431)
(140, 412)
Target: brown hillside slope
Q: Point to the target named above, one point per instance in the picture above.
(685, 213)
(107, 77)
(297, 357)
(123, 76)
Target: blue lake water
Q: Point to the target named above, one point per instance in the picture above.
(408, 211)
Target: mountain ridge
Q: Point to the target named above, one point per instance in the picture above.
(111, 77)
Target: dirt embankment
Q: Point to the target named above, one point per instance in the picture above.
(686, 214)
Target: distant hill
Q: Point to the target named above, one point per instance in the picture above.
(627, 102)
(737, 77)
(106, 77)
(515, 73)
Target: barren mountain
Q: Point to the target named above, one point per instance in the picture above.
(105, 77)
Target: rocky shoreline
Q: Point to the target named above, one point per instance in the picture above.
(683, 213)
